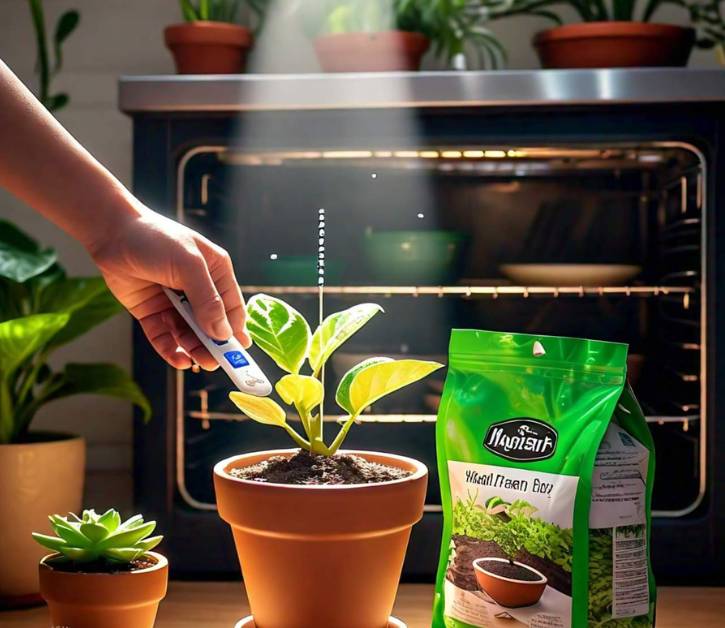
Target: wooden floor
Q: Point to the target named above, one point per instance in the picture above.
(220, 604)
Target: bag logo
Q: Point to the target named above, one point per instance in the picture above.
(521, 439)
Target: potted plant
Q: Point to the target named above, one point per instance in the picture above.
(41, 310)
(323, 528)
(610, 34)
(211, 41)
(102, 571)
(389, 35)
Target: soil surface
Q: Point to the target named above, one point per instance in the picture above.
(306, 468)
(102, 566)
(509, 570)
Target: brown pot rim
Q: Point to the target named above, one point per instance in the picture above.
(543, 579)
(46, 439)
(221, 468)
(208, 32)
(418, 40)
(612, 29)
(161, 563)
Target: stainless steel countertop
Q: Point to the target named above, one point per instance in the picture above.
(248, 92)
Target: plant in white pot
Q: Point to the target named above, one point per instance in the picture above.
(320, 533)
(41, 310)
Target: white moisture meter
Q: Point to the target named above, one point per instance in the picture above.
(231, 356)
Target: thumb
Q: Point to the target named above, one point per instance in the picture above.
(206, 303)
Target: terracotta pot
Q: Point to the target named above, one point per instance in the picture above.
(614, 45)
(37, 478)
(99, 600)
(507, 591)
(208, 47)
(387, 51)
(322, 556)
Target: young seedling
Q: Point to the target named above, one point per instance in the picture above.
(94, 537)
(284, 335)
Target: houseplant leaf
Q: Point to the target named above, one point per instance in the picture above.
(20, 338)
(279, 330)
(65, 294)
(342, 396)
(302, 391)
(377, 380)
(66, 24)
(261, 409)
(336, 329)
(108, 380)
(20, 256)
(99, 308)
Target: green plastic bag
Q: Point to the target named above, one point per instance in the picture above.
(546, 466)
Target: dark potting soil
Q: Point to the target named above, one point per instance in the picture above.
(307, 468)
(102, 566)
(509, 570)
(467, 549)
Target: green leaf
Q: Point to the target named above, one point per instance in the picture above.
(279, 330)
(148, 544)
(66, 24)
(78, 554)
(98, 309)
(110, 519)
(57, 101)
(342, 396)
(304, 391)
(20, 338)
(108, 380)
(67, 294)
(377, 380)
(51, 542)
(68, 531)
(95, 532)
(188, 11)
(123, 554)
(128, 538)
(336, 329)
(21, 258)
(261, 409)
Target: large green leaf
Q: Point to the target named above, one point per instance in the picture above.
(20, 338)
(99, 308)
(65, 294)
(260, 409)
(342, 396)
(108, 380)
(66, 24)
(20, 256)
(279, 330)
(336, 329)
(376, 380)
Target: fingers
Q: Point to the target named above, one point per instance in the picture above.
(222, 273)
(188, 340)
(206, 302)
(161, 338)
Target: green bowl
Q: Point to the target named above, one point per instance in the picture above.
(414, 257)
(299, 270)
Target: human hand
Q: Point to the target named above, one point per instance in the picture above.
(145, 251)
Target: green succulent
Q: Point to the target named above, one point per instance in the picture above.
(99, 537)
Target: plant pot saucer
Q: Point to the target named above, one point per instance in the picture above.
(248, 622)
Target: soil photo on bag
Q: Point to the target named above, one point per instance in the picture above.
(546, 468)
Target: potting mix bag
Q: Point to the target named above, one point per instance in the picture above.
(546, 466)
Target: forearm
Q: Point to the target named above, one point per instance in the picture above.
(42, 164)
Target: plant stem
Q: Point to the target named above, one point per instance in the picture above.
(36, 9)
(342, 434)
(301, 442)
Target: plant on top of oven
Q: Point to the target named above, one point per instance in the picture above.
(42, 310)
(282, 333)
(102, 570)
(456, 33)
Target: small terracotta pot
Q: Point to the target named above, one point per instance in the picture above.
(506, 591)
(37, 478)
(387, 51)
(322, 556)
(98, 600)
(614, 45)
(208, 47)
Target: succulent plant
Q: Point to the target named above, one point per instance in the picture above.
(96, 537)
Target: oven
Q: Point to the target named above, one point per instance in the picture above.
(583, 203)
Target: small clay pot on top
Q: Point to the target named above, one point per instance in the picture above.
(126, 599)
(386, 51)
(209, 47)
(614, 45)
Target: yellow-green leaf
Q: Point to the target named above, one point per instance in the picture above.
(342, 396)
(336, 329)
(302, 391)
(380, 379)
(260, 409)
